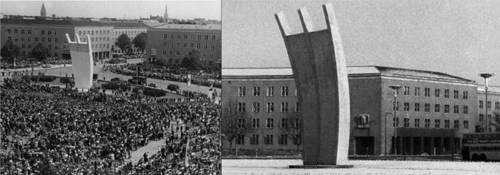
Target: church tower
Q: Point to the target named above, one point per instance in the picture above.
(165, 16)
(43, 13)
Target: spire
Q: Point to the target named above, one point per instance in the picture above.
(43, 13)
(165, 16)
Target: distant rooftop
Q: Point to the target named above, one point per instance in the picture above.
(189, 26)
(126, 24)
(36, 22)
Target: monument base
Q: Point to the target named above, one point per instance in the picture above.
(320, 166)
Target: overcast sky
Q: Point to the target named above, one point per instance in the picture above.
(458, 37)
(186, 9)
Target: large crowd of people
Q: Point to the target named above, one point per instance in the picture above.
(56, 130)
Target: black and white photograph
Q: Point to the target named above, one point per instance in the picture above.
(360, 87)
(110, 87)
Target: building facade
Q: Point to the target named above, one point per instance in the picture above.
(492, 107)
(169, 43)
(101, 35)
(131, 30)
(433, 109)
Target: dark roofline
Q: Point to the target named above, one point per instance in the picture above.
(36, 22)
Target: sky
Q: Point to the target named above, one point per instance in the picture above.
(457, 37)
(187, 9)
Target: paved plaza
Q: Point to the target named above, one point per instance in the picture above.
(278, 167)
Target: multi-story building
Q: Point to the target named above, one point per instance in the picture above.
(131, 29)
(432, 111)
(101, 35)
(28, 33)
(492, 106)
(169, 43)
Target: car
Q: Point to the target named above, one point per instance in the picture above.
(46, 66)
(115, 79)
(173, 87)
(152, 85)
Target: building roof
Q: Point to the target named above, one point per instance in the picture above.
(36, 22)
(491, 89)
(126, 24)
(188, 26)
(89, 23)
(353, 71)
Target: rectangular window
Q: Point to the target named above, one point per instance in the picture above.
(465, 95)
(497, 105)
(446, 93)
(49, 32)
(446, 108)
(427, 92)
(241, 107)
(270, 91)
(427, 107)
(240, 139)
(406, 90)
(270, 107)
(29, 32)
(49, 39)
(466, 124)
(284, 106)
(270, 123)
(283, 139)
(255, 107)
(437, 122)
(297, 139)
(395, 122)
(456, 124)
(297, 107)
(241, 123)
(41, 32)
(43, 39)
(406, 106)
(417, 107)
(427, 123)
(284, 91)
(455, 94)
(407, 122)
(455, 109)
(15, 31)
(417, 123)
(488, 104)
(255, 123)
(446, 124)
(284, 123)
(22, 31)
(269, 139)
(437, 92)
(417, 91)
(481, 104)
(436, 108)
(165, 36)
(241, 91)
(466, 109)
(256, 91)
(481, 117)
(254, 140)
(56, 40)
(9, 30)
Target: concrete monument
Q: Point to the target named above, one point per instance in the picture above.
(320, 72)
(82, 61)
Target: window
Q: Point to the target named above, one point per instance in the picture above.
(213, 37)
(284, 106)
(22, 46)
(185, 44)
(465, 94)
(283, 139)
(407, 122)
(241, 123)
(22, 31)
(406, 106)
(256, 91)
(15, 31)
(427, 107)
(446, 93)
(284, 91)
(255, 123)
(437, 122)
(481, 104)
(254, 139)
(241, 91)
(455, 109)
(269, 139)
(406, 90)
(56, 40)
(455, 94)
(270, 107)
(417, 91)
(497, 105)
(466, 124)
(396, 107)
(297, 107)
(49, 39)
(456, 124)
(466, 109)
(241, 107)
(29, 32)
(446, 124)
(185, 37)
(165, 36)
(9, 30)
(206, 37)
(256, 107)
(427, 123)
(427, 92)
(436, 92)
(41, 32)
(417, 107)
(297, 140)
(488, 104)
(446, 108)
(270, 123)
(436, 108)
(29, 46)
(395, 121)
(270, 91)
(199, 37)
(417, 123)
(481, 117)
(192, 45)
(284, 123)
(240, 139)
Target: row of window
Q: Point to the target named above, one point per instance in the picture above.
(118, 33)
(22, 39)
(200, 37)
(488, 104)
(437, 92)
(269, 139)
(185, 52)
(28, 31)
(481, 117)
(269, 107)
(285, 123)
(24, 53)
(48, 46)
(185, 45)
(269, 91)
(437, 108)
(91, 32)
(427, 123)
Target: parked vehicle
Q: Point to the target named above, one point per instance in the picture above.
(173, 87)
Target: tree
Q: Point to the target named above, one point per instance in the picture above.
(39, 52)
(123, 42)
(234, 123)
(10, 51)
(140, 41)
(192, 60)
(294, 130)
